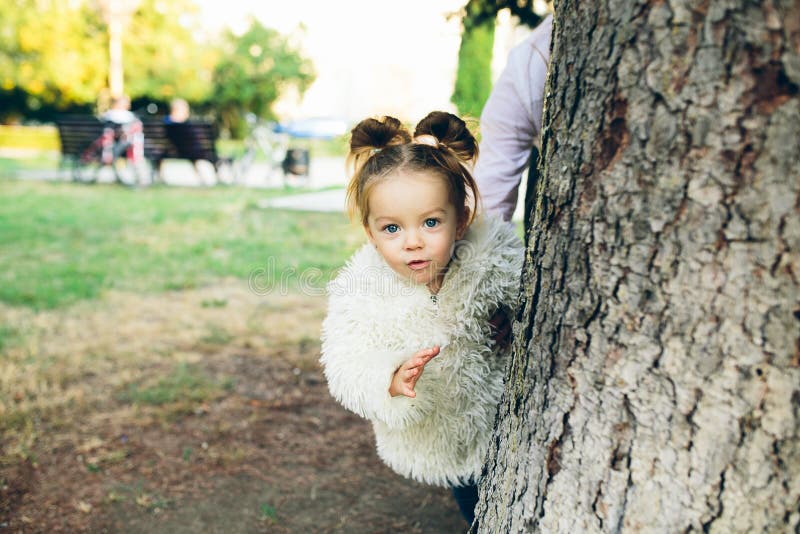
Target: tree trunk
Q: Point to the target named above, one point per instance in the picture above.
(655, 382)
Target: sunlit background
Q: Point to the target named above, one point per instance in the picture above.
(361, 57)
(371, 57)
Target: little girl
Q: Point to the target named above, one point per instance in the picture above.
(407, 341)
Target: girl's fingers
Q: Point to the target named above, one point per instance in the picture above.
(428, 353)
(422, 357)
(412, 369)
(415, 363)
(412, 380)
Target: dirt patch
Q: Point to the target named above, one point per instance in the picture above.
(266, 450)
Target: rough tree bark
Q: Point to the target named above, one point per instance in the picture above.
(655, 383)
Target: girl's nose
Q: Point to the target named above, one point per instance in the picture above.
(413, 240)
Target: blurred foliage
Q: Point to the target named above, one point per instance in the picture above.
(255, 67)
(480, 11)
(54, 55)
(474, 75)
(165, 55)
(50, 54)
(54, 59)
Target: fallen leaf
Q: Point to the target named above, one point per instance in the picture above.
(84, 507)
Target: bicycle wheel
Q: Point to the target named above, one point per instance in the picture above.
(129, 172)
(86, 171)
(243, 164)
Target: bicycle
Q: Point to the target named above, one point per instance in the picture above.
(266, 142)
(120, 147)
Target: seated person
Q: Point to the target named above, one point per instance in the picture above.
(123, 133)
(119, 112)
(189, 142)
(178, 112)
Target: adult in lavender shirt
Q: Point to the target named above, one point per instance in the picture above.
(511, 121)
(510, 124)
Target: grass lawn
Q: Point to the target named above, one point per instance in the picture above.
(61, 243)
(145, 385)
(31, 160)
(111, 297)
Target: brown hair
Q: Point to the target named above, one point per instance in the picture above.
(442, 145)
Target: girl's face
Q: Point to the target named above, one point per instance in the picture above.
(414, 226)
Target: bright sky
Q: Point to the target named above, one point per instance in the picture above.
(372, 57)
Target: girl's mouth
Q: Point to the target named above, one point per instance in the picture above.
(417, 265)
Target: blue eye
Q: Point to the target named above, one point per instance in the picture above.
(391, 228)
(431, 223)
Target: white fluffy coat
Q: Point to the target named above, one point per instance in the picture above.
(376, 321)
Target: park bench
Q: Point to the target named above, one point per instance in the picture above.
(83, 138)
(193, 141)
(80, 135)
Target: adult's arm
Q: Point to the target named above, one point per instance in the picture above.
(511, 121)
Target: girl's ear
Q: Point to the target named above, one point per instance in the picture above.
(369, 234)
(463, 223)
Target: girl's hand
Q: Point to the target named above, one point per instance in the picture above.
(406, 376)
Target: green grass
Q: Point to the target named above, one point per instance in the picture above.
(268, 513)
(8, 336)
(185, 383)
(216, 336)
(62, 242)
(49, 161)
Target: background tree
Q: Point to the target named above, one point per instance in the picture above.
(655, 380)
(51, 55)
(255, 67)
(474, 75)
(54, 55)
(165, 54)
(54, 58)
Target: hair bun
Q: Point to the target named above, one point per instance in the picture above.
(450, 131)
(371, 135)
(378, 133)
